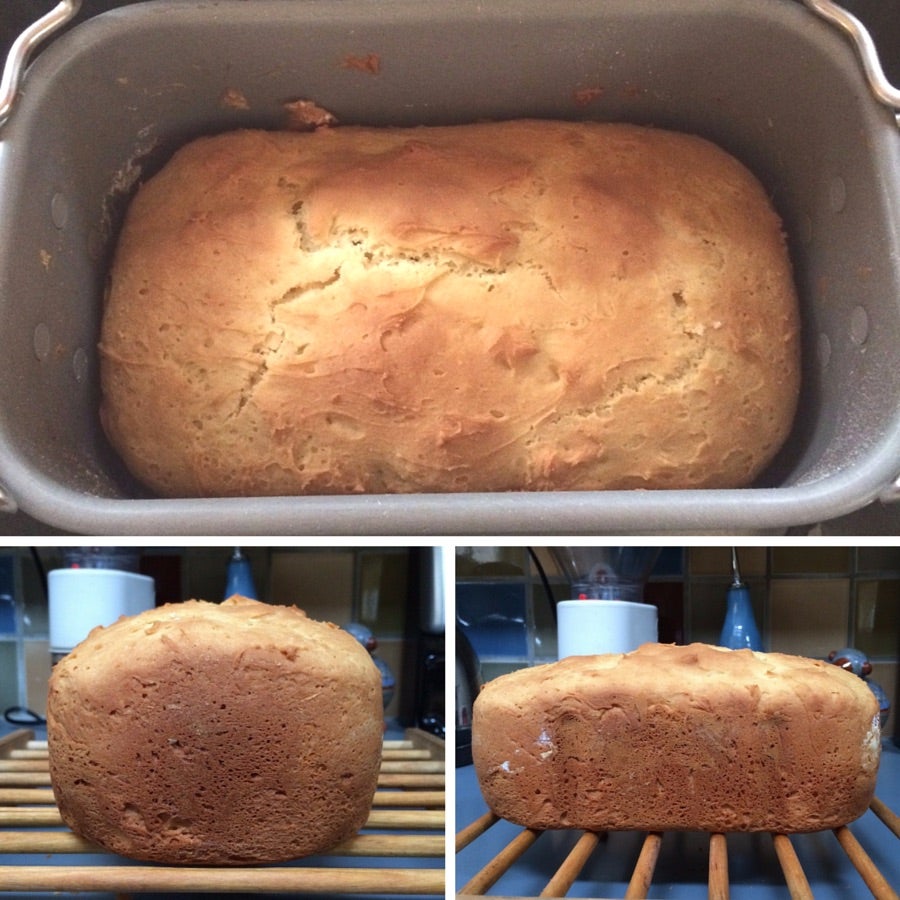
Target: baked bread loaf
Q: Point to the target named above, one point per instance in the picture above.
(215, 734)
(678, 738)
(523, 305)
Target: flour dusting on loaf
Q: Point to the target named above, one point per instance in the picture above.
(678, 738)
(522, 305)
(215, 734)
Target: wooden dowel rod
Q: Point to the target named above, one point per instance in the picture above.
(23, 737)
(414, 766)
(888, 816)
(423, 790)
(390, 766)
(794, 876)
(407, 845)
(412, 781)
(642, 876)
(44, 842)
(29, 796)
(718, 867)
(409, 798)
(177, 879)
(564, 878)
(475, 830)
(406, 818)
(494, 870)
(425, 740)
(418, 845)
(873, 878)
(24, 765)
(412, 753)
(29, 817)
(18, 738)
(24, 779)
(27, 754)
(392, 750)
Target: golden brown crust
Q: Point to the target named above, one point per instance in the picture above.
(215, 734)
(678, 738)
(510, 306)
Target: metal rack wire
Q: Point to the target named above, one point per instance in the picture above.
(406, 826)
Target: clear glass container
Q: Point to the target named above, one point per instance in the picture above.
(606, 573)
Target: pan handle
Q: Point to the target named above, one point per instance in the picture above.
(7, 502)
(18, 55)
(891, 494)
(883, 90)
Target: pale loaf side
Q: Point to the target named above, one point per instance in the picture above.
(215, 734)
(523, 305)
(678, 738)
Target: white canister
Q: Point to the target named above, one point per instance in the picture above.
(585, 627)
(80, 599)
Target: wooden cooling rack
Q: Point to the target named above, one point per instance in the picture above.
(405, 828)
(642, 874)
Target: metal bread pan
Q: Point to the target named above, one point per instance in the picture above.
(772, 81)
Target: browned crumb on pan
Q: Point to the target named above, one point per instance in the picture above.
(305, 115)
(370, 63)
(232, 98)
(586, 95)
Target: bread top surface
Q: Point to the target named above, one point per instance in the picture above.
(502, 306)
(767, 686)
(655, 672)
(238, 632)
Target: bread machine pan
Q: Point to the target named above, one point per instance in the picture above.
(773, 82)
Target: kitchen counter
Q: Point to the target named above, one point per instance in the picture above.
(682, 868)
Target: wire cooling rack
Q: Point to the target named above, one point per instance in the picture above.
(573, 863)
(400, 850)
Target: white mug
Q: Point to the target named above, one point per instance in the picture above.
(586, 627)
(79, 599)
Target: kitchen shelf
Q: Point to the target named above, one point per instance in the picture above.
(400, 850)
(576, 858)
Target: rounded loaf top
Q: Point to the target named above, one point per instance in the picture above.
(658, 672)
(215, 734)
(520, 305)
(236, 629)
